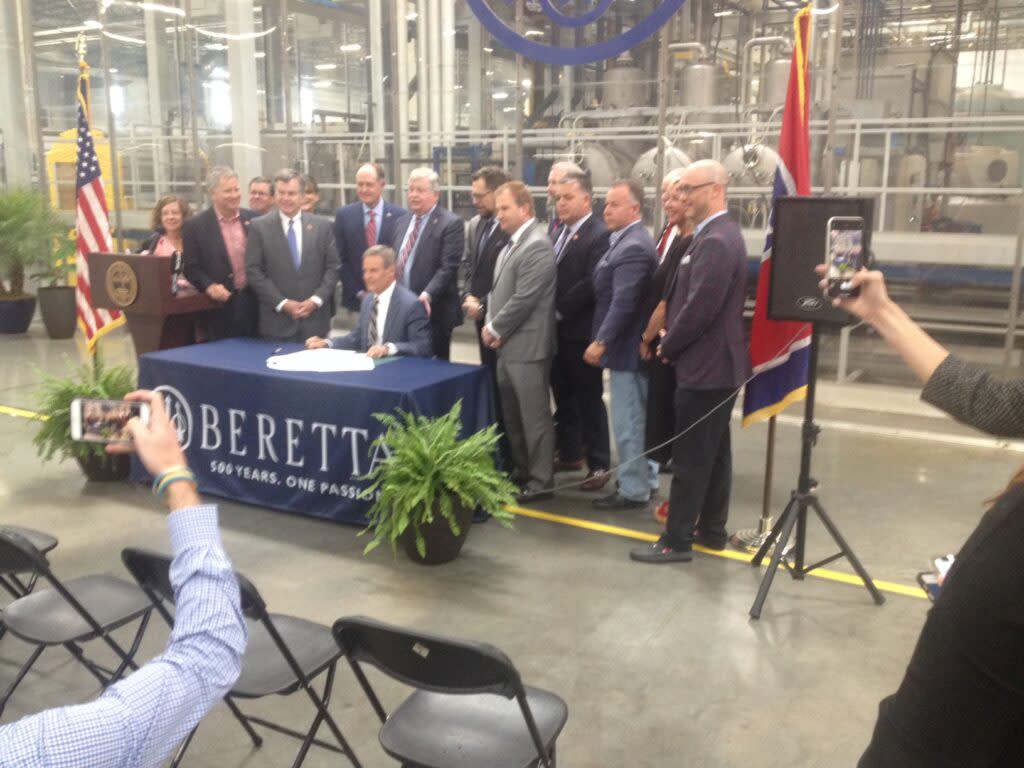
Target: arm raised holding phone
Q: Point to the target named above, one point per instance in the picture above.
(962, 699)
(139, 721)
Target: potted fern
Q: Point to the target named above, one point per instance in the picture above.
(430, 483)
(95, 381)
(28, 229)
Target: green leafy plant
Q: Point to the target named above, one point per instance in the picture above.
(54, 272)
(54, 406)
(427, 467)
(28, 229)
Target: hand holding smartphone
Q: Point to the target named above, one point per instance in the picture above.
(105, 421)
(844, 255)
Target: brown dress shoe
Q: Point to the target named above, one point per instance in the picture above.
(596, 480)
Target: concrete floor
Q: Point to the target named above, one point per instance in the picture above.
(660, 666)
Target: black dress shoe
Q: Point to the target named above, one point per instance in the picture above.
(525, 496)
(615, 501)
(658, 552)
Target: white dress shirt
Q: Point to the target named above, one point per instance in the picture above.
(383, 305)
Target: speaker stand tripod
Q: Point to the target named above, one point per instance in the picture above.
(795, 514)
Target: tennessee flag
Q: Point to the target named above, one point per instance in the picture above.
(779, 351)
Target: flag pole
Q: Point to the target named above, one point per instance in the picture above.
(751, 539)
(111, 135)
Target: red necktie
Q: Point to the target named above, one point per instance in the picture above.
(409, 245)
(371, 230)
(664, 241)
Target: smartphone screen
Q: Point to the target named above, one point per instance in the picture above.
(105, 421)
(845, 254)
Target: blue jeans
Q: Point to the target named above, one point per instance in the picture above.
(629, 414)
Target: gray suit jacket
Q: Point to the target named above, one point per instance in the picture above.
(273, 277)
(521, 305)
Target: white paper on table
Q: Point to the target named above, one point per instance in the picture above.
(321, 361)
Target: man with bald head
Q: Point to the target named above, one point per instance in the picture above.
(558, 172)
(704, 341)
(360, 225)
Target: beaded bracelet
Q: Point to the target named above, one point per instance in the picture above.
(172, 475)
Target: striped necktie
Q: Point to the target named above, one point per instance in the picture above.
(374, 334)
(409, 245)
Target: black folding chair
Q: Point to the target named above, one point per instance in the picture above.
(470, 709)
(12, 582)
(72, 612)
(284, 654)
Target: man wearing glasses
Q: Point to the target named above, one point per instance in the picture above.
(704, 341)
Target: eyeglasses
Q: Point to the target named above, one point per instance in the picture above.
(689, 189)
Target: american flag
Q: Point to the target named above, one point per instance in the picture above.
(91, 221)
(780, 351)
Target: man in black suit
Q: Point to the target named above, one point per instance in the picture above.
(704, 341)
(214, 251)
(429, 241)
(555, 175)
(581, 421)
(357, 226)
(484, 241)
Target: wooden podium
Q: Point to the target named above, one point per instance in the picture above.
(140, 287)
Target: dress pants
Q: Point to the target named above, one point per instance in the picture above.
(581, 421)
(701, 466)
(526, 409)
(489, 358)
(441, 339)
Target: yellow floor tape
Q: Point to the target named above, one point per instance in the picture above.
(629, 533)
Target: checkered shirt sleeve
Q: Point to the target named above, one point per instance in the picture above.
(976, 397)
(139, 721)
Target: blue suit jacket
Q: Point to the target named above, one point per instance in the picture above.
(350, 237)
(704, 337)
(406, 326)
(622, 280)
(435, 264)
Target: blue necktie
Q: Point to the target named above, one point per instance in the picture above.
(293, 243)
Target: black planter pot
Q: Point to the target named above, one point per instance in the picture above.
(105, 469)
(442, 545)
(57, 306)
(16, 314)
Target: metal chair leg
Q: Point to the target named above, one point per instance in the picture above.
(257, 740)
(182, 747)
(21, 676)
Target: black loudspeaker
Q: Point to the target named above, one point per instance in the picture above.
(801, 229)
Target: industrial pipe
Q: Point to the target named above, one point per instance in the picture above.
(745, 64)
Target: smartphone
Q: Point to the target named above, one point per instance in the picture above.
(943, 564)
(844, 256)
(105, 421)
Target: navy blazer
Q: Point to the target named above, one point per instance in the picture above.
(704, 337)
(350, 238)
(406, 326)
(574, 292)
(203, 250)
(622, 281)
(435, 265)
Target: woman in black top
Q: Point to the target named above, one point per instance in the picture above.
(961, 703)
(661, 376)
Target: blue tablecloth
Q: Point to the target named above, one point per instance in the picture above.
(297, 441)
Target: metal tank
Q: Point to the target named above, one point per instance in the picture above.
(645, 168)
(697, 84)
(751, 165)
(605, 164)
(774, 81)
(625, 86)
